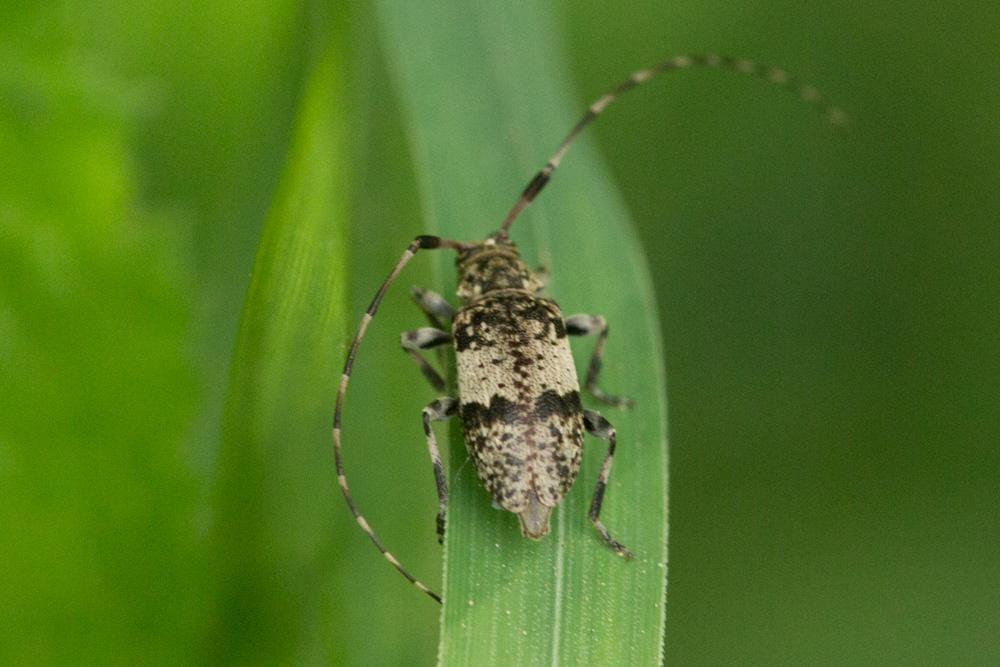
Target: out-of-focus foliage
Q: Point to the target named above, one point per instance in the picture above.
(828, 306)
(99, 547)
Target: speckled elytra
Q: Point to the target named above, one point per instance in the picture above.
(518, 395)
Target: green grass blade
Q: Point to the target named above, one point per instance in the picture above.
(275, 502)
(485, 101)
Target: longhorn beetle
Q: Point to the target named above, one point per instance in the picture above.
(518, 394)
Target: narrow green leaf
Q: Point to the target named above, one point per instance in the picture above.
(485, 101)
(275, 502)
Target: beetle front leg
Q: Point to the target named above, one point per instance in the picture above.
(586, 325)
(440, 410)
(542, 277)
(598, 426)
(425, 338)
(437, 309)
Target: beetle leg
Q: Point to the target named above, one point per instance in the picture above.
(440, 410)
(418, 244)
(598, 426)
(586, 325)
(542, 277)
(439, 312)
(425, 338)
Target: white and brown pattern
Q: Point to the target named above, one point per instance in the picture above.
(519, 396)
(519, 402)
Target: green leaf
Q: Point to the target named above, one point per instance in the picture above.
(275, 501)
(485, 101)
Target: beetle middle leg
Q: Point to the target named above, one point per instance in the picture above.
(586, 325)
(440, 410)
(598, 426)
(425, 338)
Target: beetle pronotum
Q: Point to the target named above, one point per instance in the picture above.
(518, 393)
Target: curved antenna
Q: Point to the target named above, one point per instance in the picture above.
(419, 243)
(778, 77)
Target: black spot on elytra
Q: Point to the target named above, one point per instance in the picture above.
(520, 362)
(513, 461)
(544, 311)
(507, 320)
(550, 403)
(476, 416)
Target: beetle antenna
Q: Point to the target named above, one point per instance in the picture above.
(419, 243)
(779, 77)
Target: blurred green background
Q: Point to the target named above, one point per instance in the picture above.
(829, 304)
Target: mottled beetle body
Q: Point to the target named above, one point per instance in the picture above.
(518, 395)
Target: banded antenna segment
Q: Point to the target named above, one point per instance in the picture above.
(779, 77)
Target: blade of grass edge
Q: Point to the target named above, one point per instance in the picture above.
(476, 80)
(275, 495)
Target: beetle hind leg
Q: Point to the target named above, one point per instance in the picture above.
(598, 426)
